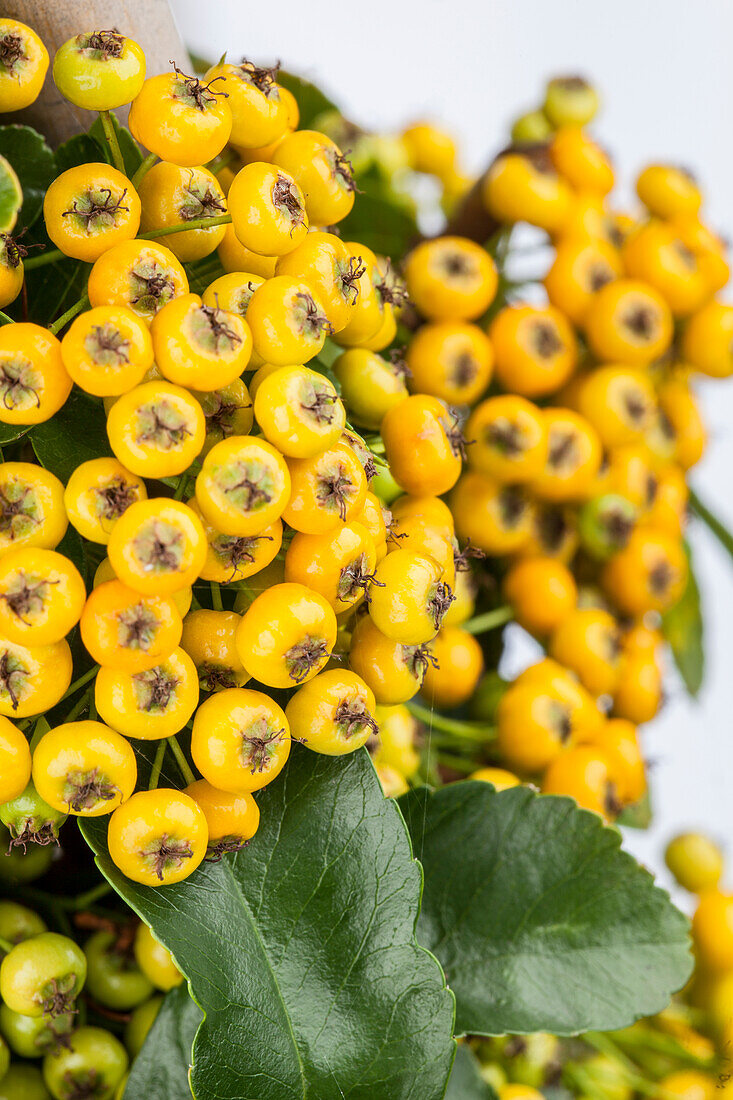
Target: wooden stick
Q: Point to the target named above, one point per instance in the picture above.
(149, 22)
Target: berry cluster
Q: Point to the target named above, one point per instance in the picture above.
(574, 393)
(49, 987)
(240, 532)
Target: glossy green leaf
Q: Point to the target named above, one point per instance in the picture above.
(79, 149)
(383, 226)
(203, 272)
(34, 165)
(75, 434)
(160, 1071)
(129, 148)
(52, 288)
(311, 100)
(682, 627)
(541, 921)
(10, 433)
(11, 196)
(301, 949)
(711, 521)
(638, 816)
(466, 1082)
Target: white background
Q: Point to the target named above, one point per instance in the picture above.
(664, 67)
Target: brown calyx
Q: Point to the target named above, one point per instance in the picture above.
(641, 321)
(512, 504)
(456, 439)
(216, 852)
(618, 527)
(351, 716)
(28, 598)
(85, 789)
(418, 659)
(399, 363)
(116, 498)
(465, 368)
(11, 51)
(165, 853)
(162, 548)
(9, 509)
(33, 834)
(561, 719)
(342, 168)
(321, 405)
(8, 673)
(285, 198)
(107, 43)
(206, 205)
(216, 677)
(336, 487)
(611, 802)
(545, 339)
(313, 321)
(155, 287)
(506, 437)
(240, 550)
(563, 449)
(256, 750)
(13, 387)
(439, 602)
(350, 277)
(355, 576)
(135, 626)
(108, 343)
(157, 686)
(635, 406)
(254, 493)
(220, 330)
(104, 210)
(462, 558)
(661, 577)
(552, 528)
(598, 276)
(201, 94)
(172, 433)
(304, 656)
(58, 999)
(264, 79)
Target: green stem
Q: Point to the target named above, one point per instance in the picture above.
(649, 1039)
(157, 765)
(143, 170)
(224, 159)
(80, 682)
(5, 320)
(607, 1046)
(482, 624)
(216, 596)
(183, 227)
(181, 487)
(71, 312)
(468, 731)
(181, 760)
(457, 763)
(712, 522)
(633, 1078)
(88, 898)
(79, 706)
(6, 946)
(43, 258)
(111, 135)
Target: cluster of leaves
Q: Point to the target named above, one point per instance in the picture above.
(343, 950)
